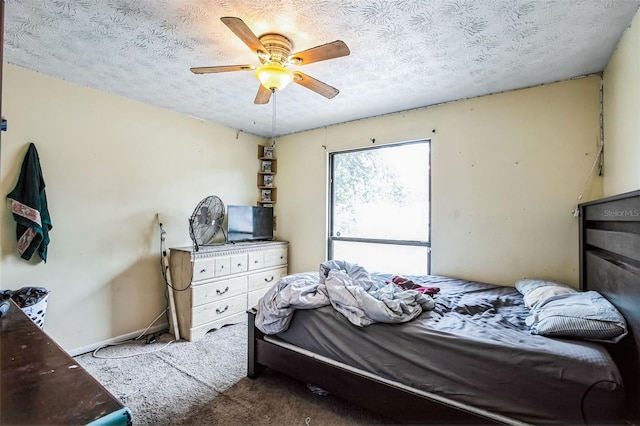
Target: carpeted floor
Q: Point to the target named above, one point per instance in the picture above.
(205, 383)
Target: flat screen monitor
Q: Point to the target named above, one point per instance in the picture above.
(249, 223)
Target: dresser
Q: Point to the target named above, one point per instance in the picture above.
(216, 285)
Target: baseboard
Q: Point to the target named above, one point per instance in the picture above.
(92, 347)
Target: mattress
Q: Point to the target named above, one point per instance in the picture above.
(474, 349)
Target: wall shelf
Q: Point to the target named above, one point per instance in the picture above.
(268, 168)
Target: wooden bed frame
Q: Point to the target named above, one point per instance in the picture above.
(609, 264)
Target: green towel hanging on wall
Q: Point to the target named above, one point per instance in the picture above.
(29, 208)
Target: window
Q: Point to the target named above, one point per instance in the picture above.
(380, 207)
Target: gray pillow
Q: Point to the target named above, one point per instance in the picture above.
(585, 315)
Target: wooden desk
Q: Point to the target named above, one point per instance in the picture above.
(41, 384)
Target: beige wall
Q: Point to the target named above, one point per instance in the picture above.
(110, 164)
(507, 170)
(622, 114)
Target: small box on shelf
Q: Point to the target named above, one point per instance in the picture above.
(266, 166)
(268, 196)
(265, 181)
(265, 152)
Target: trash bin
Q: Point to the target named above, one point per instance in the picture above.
(32, 301)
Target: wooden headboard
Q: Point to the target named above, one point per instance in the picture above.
(610, 265)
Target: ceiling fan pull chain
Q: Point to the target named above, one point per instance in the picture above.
(274, 119)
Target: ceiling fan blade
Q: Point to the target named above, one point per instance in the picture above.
(224, 68)
(245, 34)
(323, 52)
(263, 95)
(316, 85)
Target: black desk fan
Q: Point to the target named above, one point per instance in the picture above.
(206, 221)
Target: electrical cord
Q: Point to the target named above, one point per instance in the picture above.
(169, 288)
(95, 352)
(586, 392)
(164, 267)
(576, 211)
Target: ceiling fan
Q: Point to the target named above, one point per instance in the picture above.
(274, 52)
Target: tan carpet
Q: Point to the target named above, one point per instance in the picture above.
(274, 399)
(205, 383)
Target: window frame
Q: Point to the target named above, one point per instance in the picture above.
(331, 238)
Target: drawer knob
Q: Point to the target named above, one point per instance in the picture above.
(255, 261)
(202, 271)
(218, 292)
(239, 265)
(221, 266)
(220, 311)
(268, 280)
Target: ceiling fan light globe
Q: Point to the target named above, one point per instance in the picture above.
(274, 76)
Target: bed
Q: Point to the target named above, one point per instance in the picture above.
(429, 374)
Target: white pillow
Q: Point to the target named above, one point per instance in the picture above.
(538, 296)
(536, 291)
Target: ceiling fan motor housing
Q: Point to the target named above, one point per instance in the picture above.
(278, 48)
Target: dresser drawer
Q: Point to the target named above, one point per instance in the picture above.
(256, 260)
(208, 293)
(265, 279)
(275, 257)
(203, 269)
(239, 264)
(218, 309)
(282, 257)
(222, 266)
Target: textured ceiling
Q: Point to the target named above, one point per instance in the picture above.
(405, 54)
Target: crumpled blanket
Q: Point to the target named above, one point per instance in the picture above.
(29, 208)
(348, 288)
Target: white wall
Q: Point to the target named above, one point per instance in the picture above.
(507, 170)
(110, 164)
(622, 114)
